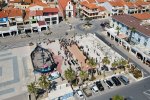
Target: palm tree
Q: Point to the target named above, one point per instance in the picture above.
(133, 30)
(32, 89)
(114, 64)
(83, 75)
(118, 29)
(92, 63)
(117, 97)
(123, 62)
(70, 75)
(106, 60)
(44, 83)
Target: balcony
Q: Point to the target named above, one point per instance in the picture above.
(89, 11)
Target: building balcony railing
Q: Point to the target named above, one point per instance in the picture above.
(90, 11)
(98, 15)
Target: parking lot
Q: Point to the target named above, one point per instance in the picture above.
(101, 87)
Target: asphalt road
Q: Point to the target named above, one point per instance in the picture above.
(135, 91)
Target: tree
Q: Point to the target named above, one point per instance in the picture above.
(44, 83)
(133, 30)
(32, 89)
(117, 97)
(118, 29)
(92, 63)
(105, 61)
(114, 64)
(83, 75)
(70, 75)
(123, 62)
(2, 4)
(88, 19)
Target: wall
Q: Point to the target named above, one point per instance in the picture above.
(69, 8)
(36, 8)
(107, 6)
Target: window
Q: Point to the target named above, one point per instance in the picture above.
(54, 18)
(47, 19)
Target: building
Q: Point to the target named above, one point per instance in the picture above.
(51, 15)
(135, 27)
(92, 10)
(15, 17)
(136, 7)
(114, 7)
(130, 8)
(67, 8)
(4, 23)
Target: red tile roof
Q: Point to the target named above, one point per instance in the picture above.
(91, 6)
(3, 14)
(63, 3)
(100, 8)
(113, 3)
(130, 4)
(50, 10)
(139, 3)
(83, 3)
(101, 1)
(142, 16)
(38, 4)
(91, 1)
(15, 1)
(88, 5)
(39, 13)
(28, 1)
(15, 12)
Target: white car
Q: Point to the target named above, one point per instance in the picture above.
(79, 93)
(94, 89)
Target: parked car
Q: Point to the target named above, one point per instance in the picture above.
(116, 81)
(99, 85)
(109, 83)
(123, 79)
(87, 92)
(94, 88)
(79, 93)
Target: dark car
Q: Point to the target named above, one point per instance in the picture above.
(123, 79)
(99, 85)
(116, 81)
(109, 83)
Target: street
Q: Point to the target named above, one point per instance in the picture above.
(135, 91)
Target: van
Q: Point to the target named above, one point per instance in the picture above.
(123, 79)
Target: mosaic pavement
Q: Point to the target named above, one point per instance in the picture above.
(14, 73)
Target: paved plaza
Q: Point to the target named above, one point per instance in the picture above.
(15, 67)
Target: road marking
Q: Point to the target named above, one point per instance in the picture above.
(147, 94)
